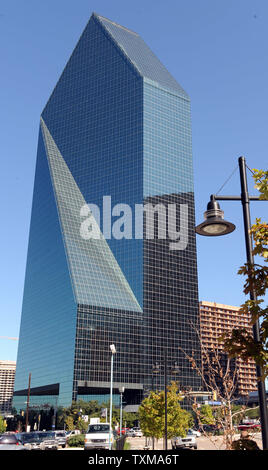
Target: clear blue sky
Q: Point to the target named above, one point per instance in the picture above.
(216, 49)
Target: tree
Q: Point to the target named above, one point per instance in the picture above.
(71, 416)
(152, 414)
(241, 343)
(69, 423)
(219, 374)
(2, 424)
(206, 415)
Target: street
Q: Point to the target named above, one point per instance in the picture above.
(203, 442)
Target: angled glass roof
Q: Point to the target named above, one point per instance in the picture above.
(140, 55)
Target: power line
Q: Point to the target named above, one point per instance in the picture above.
(227, 180)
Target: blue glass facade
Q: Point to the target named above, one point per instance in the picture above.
(116, 126)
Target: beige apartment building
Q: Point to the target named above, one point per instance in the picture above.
(7, 376)
(216, 319)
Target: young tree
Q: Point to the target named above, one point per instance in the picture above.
(219, 374)
(206, 415)
(2, 424)
(152, 414)
(241, 343)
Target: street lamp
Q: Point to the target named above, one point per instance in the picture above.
(121, 391)
(174, 370)
(113, 351)
(215, 225)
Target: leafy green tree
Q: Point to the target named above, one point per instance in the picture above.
(152, 414)
(70, 417)
(206, 415)
(2, 424)
(69, 423)
(241, 343)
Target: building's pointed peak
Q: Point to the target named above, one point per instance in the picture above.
(103, 19)
(140, 55)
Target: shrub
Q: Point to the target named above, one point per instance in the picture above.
(77, 441)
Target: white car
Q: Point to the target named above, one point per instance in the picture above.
(182, 442)
(135, 432)
(194, 432)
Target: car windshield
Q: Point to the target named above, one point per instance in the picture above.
(60, 434)
(8, 439)
(29, 437)
(46, 435)
(98, 428)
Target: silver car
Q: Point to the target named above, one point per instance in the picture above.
(10, 442)
(61, 438)
(184, 442)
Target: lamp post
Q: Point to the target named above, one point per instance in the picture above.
(215, 225)
(174, 370)
(113, 351)
(28, 402)
(121, 391)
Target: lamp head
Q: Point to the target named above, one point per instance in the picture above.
(214, 224)
(112, 347)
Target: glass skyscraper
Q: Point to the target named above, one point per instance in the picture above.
(116, 135)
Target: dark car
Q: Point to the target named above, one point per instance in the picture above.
(30, 440)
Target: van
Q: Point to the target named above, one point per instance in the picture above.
(97, 436)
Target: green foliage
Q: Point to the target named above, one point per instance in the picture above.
(127, 445)
(261, 183)
(152, 414)
(2, 424)
(253, 414)
(77, 441)
(206, 415)
(241, 343)
(69, 423)
(70, 417)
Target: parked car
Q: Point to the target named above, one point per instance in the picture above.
(195, 432)
(47, 440)
(72, 433)
(61, 438)
(10, 442)
(250, 426)
(29, 440)
(184, 442)
(134, 432)
(123, 431)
